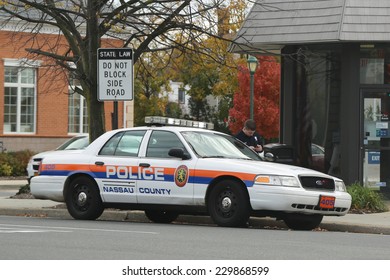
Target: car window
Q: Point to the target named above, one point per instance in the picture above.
(315, 150)
(207, 144)
(161, 142)
(123, 144)
(75, 143)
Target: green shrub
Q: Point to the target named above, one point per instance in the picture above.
(5, 169)
(14, 163)
(365, 199)
(24, 189)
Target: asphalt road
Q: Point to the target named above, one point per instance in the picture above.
(24, 238)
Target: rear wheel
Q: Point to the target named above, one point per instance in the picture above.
(302, 221)
(161, 216)
(83, 199)
(228, 204)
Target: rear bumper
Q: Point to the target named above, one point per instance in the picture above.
(48, 187)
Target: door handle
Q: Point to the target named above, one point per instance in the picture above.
(99, 163)
(144, 164)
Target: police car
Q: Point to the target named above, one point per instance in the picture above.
(172, 167)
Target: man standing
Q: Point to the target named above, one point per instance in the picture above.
(250, 137)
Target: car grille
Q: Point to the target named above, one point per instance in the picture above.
(317, 208)
(317, 183)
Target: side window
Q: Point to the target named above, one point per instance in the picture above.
(123, 144)
(130, 143)
(161, 142)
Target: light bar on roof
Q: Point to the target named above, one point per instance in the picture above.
(157, 120)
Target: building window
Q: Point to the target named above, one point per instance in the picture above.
(182, 95)
(374, 64)
(78, 117)
(19, 99)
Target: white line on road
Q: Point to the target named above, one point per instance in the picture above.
(72, 229)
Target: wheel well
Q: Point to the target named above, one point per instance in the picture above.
(73, 177)
(221, 178)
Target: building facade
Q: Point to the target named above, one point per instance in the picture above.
(39, 108)
(335, 86)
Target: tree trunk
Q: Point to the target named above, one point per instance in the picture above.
(95, 107)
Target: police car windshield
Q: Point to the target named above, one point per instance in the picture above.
(215, 145)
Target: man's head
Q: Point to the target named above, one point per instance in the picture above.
(249, 127)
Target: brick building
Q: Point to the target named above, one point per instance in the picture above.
(38, 108)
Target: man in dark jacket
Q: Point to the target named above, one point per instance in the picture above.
(250, 137)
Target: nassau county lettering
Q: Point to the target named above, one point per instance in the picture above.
(132, 172)
(118, 189)
(130, 190)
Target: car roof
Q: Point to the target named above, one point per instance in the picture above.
(167, 127)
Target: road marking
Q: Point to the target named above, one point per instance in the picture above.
(29, 231)
(69, 229)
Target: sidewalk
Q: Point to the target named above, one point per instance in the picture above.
(378, 223)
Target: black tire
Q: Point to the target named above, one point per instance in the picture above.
(83, 199)
(302, 221)
(228, 204)
(161, 216)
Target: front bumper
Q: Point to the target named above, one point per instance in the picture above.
(297, 200)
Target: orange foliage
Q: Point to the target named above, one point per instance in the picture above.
(266, 98)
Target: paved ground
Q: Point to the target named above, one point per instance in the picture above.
(378, 223)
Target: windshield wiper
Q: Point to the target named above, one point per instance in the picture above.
(214, 157)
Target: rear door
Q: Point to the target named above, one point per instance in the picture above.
(116, 167)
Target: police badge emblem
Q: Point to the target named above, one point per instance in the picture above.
(181, 175)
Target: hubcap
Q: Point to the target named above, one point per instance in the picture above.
(226, 203)
(82, 198)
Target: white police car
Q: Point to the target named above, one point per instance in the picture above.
(168, 170)
(75, 143)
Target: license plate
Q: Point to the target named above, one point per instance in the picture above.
(327, 202)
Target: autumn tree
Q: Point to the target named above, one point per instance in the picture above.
(266, 98)
(212, 72)
(145, 26)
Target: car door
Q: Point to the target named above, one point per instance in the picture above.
(165, 179)
(117, 166)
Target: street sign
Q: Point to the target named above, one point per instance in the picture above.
(115, 74)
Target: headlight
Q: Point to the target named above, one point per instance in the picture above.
(340, 186)
(276, 180)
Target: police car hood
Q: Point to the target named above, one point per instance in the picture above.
(52, 156)
(259, 167)
(55, 152)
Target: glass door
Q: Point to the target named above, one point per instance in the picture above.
(376, 139)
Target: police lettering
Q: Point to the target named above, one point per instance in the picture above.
(131, 172)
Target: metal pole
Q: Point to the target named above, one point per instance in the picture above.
(251, 95)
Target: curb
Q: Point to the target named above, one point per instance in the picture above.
(139, 217)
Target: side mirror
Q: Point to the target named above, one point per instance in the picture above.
(178, 153)
(270, 157)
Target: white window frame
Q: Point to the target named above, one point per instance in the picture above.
(72, 91)
(22, 63)
(183, 100)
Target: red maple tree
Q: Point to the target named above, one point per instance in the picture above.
(266, 99)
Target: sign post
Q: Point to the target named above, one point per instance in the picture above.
(115, 77)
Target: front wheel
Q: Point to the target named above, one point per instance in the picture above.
(302, 221)
(161, 216)
(228, 204)
(83, 199)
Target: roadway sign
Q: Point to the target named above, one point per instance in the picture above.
(115, 74)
